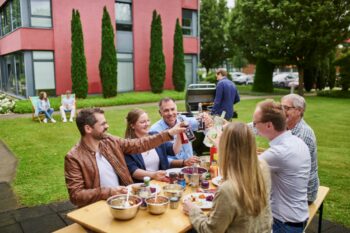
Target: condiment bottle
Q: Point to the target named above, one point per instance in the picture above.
(172, 176)
(213, 170)
(146, 181)
(144, 193)
(181, 181)
(174, 202)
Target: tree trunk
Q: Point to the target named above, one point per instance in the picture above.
(301, 80)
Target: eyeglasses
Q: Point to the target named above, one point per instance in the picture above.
(287, 108)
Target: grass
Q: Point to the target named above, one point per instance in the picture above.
(40, 149)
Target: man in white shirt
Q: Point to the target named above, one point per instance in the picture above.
(289, 160)
(67, 105)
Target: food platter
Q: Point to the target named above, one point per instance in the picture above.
(217, 181)
(134, 188)
(202, 200)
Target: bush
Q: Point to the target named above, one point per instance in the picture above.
(334, 94)
(263, 76)
(179, 80)
(6, 104)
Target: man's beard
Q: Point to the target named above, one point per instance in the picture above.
(99, 136)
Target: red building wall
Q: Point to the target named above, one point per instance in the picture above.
(91, 17)
(142, 13)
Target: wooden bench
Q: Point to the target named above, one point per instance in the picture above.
(73, 228)
(317, 205)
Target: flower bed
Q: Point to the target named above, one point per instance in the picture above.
(6, 104)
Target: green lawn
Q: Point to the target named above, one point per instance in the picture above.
(40, 149)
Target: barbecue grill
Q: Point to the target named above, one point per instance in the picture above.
(200, 93)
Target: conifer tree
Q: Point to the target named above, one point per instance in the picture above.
(108, 61)
(179, 80)
(78, 60)
(157, 60)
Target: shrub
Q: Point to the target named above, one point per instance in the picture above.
(108, 62)
(157, 60)
(179, 80)
(334, 94)
(6, 104)
(263, 76)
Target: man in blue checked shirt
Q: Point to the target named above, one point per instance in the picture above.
(168, 112)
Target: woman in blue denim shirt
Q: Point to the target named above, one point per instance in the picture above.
(44, 107)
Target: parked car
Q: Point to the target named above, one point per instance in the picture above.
(283, 79)
(244, 79)
(235, 75)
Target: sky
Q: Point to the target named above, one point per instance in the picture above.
(230, 3)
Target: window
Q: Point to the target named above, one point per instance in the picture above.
(13, 79)
(44, 70)
(125, 72)
(40, 13)
(10, 15)
(189, 22)
(123, 16)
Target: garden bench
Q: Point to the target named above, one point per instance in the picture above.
(317, 205)
(35, 114)
(73, 228)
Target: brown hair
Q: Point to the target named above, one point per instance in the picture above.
(239, 165)
(41, 95)
(273, 111)
(131, 119)
(222, 72)
(164, 100)
(87, 117)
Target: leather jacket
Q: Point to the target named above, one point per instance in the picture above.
(81, 171)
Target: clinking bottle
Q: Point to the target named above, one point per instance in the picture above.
(188, 135)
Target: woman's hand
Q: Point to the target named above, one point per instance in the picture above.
(191, 161)
(159, 175)
(187, 206)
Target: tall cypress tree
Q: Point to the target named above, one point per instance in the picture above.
(78, 63)
(108, 62)
(157, 60)
(178, 76)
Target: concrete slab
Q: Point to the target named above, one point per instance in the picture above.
(14, 228)
(43, 224)
(6, 219)
(62, 206)
(33, 212)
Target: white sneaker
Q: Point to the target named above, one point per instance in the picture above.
(53, 120)
(64, 120)
(45, 120)
(71, 120)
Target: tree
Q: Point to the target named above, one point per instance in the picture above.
(344, 68)
(108, 61)
(213, 23)
(157, 61)
(294, 32)
(179, 80)
(78, 66)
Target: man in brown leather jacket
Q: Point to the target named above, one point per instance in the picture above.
(95, 168)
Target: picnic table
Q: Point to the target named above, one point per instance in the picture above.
(97, 217)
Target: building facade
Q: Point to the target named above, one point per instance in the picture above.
(35, 42)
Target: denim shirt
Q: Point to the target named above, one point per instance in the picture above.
(186, 149)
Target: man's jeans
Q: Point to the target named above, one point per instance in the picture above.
(48, 113)
(280, 227)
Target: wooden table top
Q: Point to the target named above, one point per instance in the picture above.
(97, 217)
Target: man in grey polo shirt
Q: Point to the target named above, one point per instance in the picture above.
(289, 160)
(294, 106)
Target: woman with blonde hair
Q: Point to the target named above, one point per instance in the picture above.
(241, 203)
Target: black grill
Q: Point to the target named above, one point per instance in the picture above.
(200, 93)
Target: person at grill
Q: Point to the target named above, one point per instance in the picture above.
(294, 107)
(95, 168)
(241, 203)
(169, 114)
(226, 96)
(289, 160)
(154, 162)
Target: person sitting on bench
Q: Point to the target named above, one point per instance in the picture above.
(68, 105)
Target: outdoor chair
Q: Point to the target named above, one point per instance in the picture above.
(35, 114)
(64, 96)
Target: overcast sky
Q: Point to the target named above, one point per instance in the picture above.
(230, 3)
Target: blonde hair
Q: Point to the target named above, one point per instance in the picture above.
(131, 119)
(239, 165)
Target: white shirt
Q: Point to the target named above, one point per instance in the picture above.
(289, 160)
(151, 160)
(108, 177)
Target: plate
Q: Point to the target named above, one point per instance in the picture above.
(199, 199)
(217, 180)
(177, 170)
(153, 187)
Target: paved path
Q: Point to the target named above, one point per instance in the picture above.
(48, 218)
